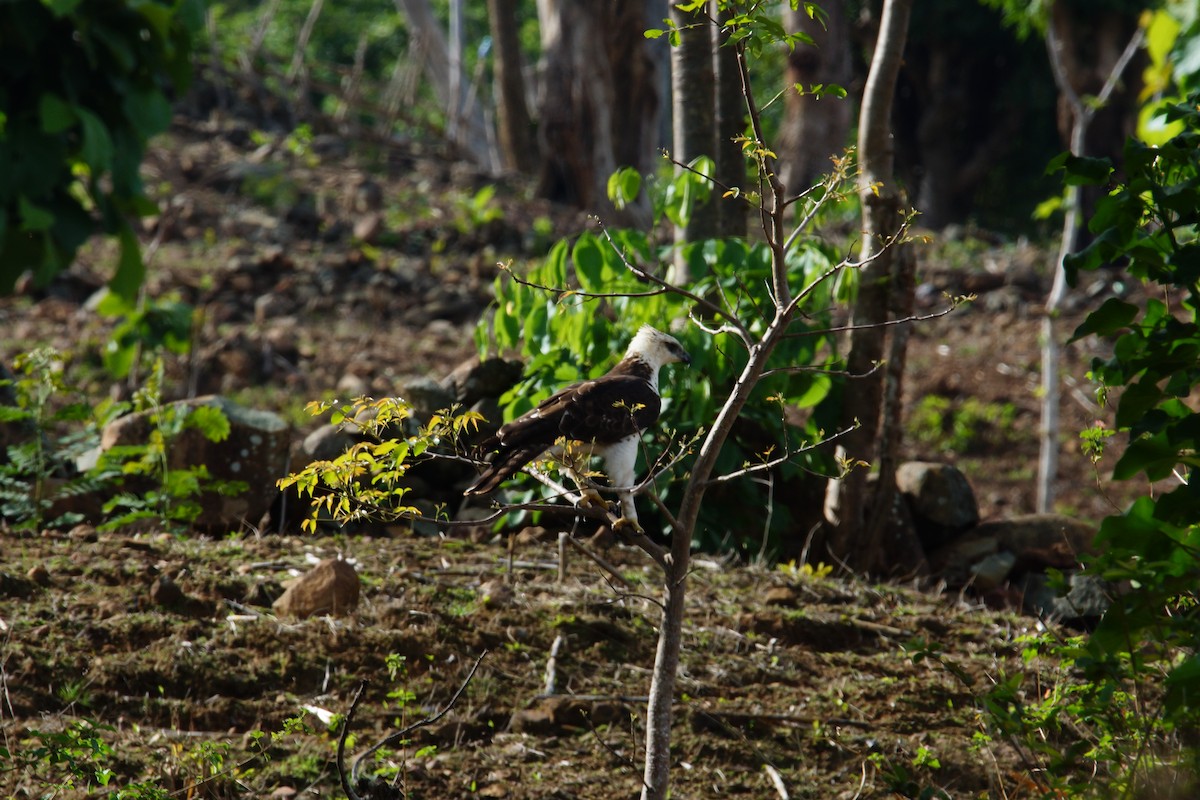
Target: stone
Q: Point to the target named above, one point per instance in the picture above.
(427, 397)
(331, 587)
(255, 452)
(166, 593)
(326, 443)
(1032, 542)
(475, 380)
(991, 571)
(1086, 600)
(940, 499)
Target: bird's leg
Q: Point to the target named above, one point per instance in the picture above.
(628, 523)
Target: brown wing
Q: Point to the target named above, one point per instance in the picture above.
(609, 409)
(603, 411)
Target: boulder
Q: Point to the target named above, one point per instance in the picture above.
(331, 587)
(1030, 543)
(475, 380)
(255, 452)
(940, 499)
(1086, 599)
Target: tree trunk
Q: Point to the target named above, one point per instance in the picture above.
(846, 499)
(518, 145)
(731, 123)
(814, 128)
(599, 101)
(1081, 115)
(693, 111)
(471, 136)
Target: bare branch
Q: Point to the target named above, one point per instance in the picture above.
(955, 303)
(777, 461)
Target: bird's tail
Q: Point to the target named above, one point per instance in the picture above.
(506, 464)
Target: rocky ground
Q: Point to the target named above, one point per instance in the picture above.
(321, 267)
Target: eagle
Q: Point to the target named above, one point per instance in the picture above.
(602, 417)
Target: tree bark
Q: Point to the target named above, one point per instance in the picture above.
(693, 107)
(599, 101)
(472, 136)
(731, 123)
(514, 127)
(814, 128)
(846, 499)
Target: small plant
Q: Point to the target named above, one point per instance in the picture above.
(171, 496)
(962, 427)
(806, 571)
(56, 427)
(368, 480)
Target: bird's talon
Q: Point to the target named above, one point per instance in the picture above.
(590, 498)
(628, 525)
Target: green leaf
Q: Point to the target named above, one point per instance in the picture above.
(33, 218)
(131, 270)
(97, 150)
(1114, 315)
(57, 115)
(623, 187)
(210, 421)
(589, 263)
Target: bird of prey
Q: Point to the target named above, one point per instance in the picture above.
(604, 417)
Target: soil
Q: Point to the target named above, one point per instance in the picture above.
(336, 265)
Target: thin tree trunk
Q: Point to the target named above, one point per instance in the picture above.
(518, 145)
(472, 138)
(731, 123)
(846, 498)
(599, 101)
(693, 110)
(1082, 114)
(815, 128)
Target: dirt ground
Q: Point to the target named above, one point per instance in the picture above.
(792, 685)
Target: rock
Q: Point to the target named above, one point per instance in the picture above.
(1086, 600)
(475, 380)
(992, 570)
(427, 397)
(331, 587)
(38, 575)
(166, 593)
(940, 499)
(494, 593)
(255, 452)
(1032, 543)
(326, 443)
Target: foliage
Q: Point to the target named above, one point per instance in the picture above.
(1152, 221)
(368, 480)
(1122, 703)
(83, 85)
(145, 326)
(39, 468)
(580, 328)
(80, 759)
(963, 426)
(162, 492)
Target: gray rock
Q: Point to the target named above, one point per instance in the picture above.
(1086, 600)
(427, 397)
(255, 452)
(476, 380)
(940, 498)
(1030, 542)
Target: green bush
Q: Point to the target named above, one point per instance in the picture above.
(83, 85)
